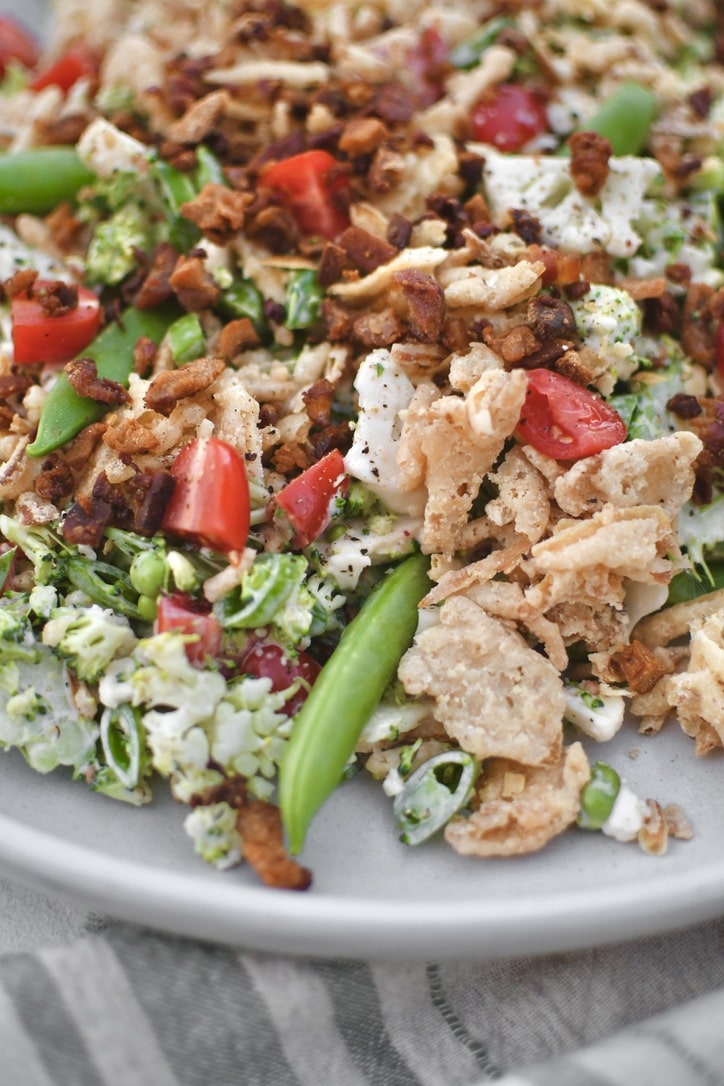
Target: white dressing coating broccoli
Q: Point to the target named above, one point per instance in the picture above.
(575, 223)
(38, 714)
(248, 732)
(684, 231)
(366, 543)
(106, 150)
(608, 320)
(88, 639)
(384, 391)
(598, 715)
(212, 828)
(389, 722)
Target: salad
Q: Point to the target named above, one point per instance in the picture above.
(362, 410)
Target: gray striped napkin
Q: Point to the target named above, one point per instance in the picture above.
(128, 1007)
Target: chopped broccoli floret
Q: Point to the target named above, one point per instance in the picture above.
(212, 828)
(88, 639)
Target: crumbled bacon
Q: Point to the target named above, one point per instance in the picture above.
(155, 288)
(82, 374)
(551, 318)
(19, 282)
(86, 521)
(144, 353)
(14, 384)
(54, 481)
(362, 135)
(424, 301)
(637, 666)
(365, 251)
(193, 285)
(218, 211)
(170, 386)
(684, 405)
(237, 336)
(589, 161)
(333, 264)
(56, 298)
(318, 401)
(377, 329)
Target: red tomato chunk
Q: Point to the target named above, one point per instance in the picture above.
(210, 502)
(39, 337)
(270, 661)
(312, 190)
(566, 421)
(308, 500)
(177, 612)
(509, 117)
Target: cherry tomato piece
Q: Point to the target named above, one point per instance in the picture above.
(270, 661)
(426, 63)
(210, 502)
(77, 63)
(308, 500)
(16, 43)
(312, 190)
(39, 337)
(508, 117)
(566, 421)
(177, 612)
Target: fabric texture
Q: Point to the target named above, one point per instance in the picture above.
(124, 1006)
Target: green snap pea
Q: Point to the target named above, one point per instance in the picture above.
(244, 299)
(303, 300)
(598, 796)
(624, 119)
(347, 691)
(176, 188)
(106, 585)
(65, 413)
(186, 339)
(208, 168)
(33, 182)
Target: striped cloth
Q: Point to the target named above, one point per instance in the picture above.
(128, 1007)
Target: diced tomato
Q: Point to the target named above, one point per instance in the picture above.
(270, 661)
(564, 420)
(78, 62)
(509, 116)
(312, 188)
(39, 338)
(308, 500)
(16, 43)
(178, 612)
(720, 349)
(210, 502)
(426, 62)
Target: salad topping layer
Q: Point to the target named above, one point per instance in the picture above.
(361, 407)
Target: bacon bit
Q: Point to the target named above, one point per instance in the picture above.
(144, 354)
(333, 264)
(193, 285)
(334, 436)
(275, 228)
(679, 273)
(200, 118)
(362, 135)
(386, 171)
(79, 452)
(551, 318)
(338, 321)
(515, 345)
(662, 315)
(377, 329)
(562, 269)
(86, 521)
(156, 287)
(170, 386)
(526, 225)
(291, 457)
(470, 167)
(425, 302)
(56, 298)
(697, 333)
(55, 480)
(700, 101)
(638, 667)
(131, 437)
(318, 401)
(156, 496)
(14, 384)
(643, 289)
(365, 251)
(454, 336)
(64, 226)
(684, 405)
(399, 231)
(82, 374)
(20, 282)
(589, 161)
(219, 212)
(237, 336)
(597, 267)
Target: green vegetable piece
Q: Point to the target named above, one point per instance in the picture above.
(265, 588)
(244, 299)
(433, 794)
(346, 693)
(104, 584)
(65, 413)
(175, 189)
(598, 796)
(303, 300)
(625, 118)
(186, 339)
(6, 564)
(149, 573)
(122, 742)
(208, 168)
(35, 181)
(469, 53)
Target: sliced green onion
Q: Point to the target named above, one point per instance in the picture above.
(175, 189)
(598, 796)
(122, 741)
(244, 299)
(303, 300)
(6, 563)
(186, 339)
(433, 794)
(104, 584)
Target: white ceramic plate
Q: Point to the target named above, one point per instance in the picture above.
(373, 896)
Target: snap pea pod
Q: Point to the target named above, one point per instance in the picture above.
(34, 182)
(624, 119)
(65, 413)
(346, 693)
(303, 300)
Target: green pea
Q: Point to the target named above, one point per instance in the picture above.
(346, 693)
(598, 796)
(148, 573)
(147, 608)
